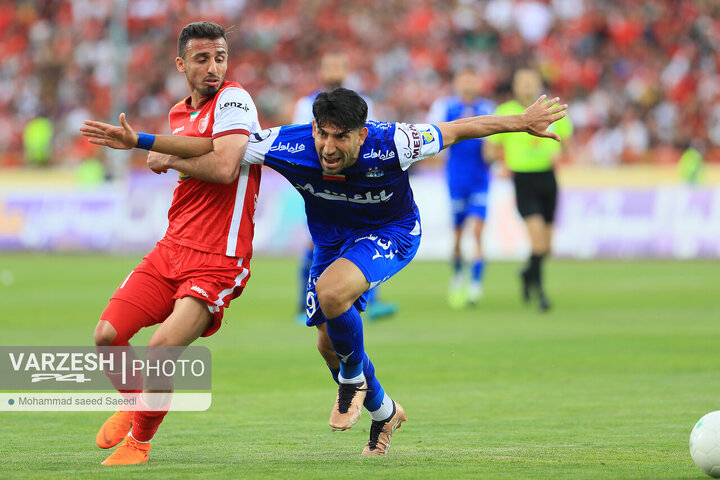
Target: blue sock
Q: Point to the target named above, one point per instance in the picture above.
(477, 270)
(334, 372)
(375, 393)
(303, 274)
(346, 335)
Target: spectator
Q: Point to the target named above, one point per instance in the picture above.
(652, 64)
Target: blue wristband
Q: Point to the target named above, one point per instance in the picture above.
(145, 141)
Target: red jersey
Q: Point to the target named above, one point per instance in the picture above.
(213, 217)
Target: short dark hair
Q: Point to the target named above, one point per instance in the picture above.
(209, 30)
(342, 108)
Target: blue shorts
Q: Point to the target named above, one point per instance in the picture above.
(468, 200)
(379, 254)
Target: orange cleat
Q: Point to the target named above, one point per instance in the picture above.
(115, 429)
(348, 405)
(130, 452)
(381, 432)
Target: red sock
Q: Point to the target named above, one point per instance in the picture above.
(133, 380)
(145, 424)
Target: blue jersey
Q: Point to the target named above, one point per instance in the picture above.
(373, 192)
(465, 164)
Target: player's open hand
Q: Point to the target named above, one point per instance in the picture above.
(541, 114)
(121, 137)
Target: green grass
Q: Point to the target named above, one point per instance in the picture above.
(607, 385)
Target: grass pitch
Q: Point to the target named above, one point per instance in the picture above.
(607, 385)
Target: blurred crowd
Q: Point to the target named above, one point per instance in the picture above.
(641, 78)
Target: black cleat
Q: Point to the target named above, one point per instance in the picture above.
(543, 303)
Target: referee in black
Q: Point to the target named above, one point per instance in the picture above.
(530, 159)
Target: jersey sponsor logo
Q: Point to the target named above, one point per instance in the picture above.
(326, 194)
(388, 251)
(239, 105)
(298, 147)
(427, 137)
(199, 290)
(178, 130)
(382, 155)
(382, 125)
(260, 136)
(203, 123)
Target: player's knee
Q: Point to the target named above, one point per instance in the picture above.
(331, 299)
(105, 333)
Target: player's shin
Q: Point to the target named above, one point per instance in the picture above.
(377, 402)
(346, 335)
(128, 383)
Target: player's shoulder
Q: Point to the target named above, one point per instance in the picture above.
(231, 91)
(286, 141)
(380, 132)
(233, 95)
(182, 105)
(230, 85)
(298, 130)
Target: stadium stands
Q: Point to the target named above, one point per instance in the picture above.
(641, 77)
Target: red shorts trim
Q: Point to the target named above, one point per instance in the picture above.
(171, 271)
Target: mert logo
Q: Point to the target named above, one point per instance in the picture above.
(199, 290)
(239, 105)
(374, 173)
(178, 130)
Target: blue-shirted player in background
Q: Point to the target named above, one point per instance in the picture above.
(468, 179)
(361, 214)
(334, 69)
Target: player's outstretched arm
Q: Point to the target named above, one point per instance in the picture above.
(123, 137)
(534, 120)
(200, 157)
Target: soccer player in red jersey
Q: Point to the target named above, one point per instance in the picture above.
(202, 262)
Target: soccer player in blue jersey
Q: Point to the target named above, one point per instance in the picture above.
(334, 69)
(361, 213)
(468, 179)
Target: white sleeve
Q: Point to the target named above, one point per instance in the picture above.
(438, 112)
(416, 142)
(303, 111)
(235, 112)
(259, 144)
